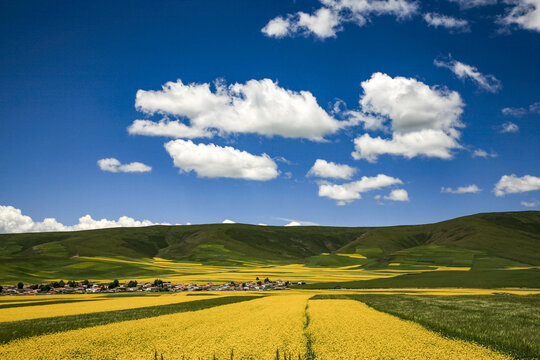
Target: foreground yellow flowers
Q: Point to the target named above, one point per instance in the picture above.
(253, 329)
(348, 329)
(96, 305)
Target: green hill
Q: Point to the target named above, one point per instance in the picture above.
(487, 241)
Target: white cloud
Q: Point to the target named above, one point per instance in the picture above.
(430, 143)
(261, 224)
(535, 108)
(348, 192)
(467, 4)
(447, 22)
(511, 184)
(258, 107)
(532, 203)
(521, 111)
(214, 161)
(293, 223)
(326, 21)
(227, 221)
(325, 169)
(509, 127)
(323, 24)
(524, 14)
(515, 112)
(463, 71)
(167, 128)
(470, 189)
(483, 154)
(277, 27)
(398, 195)
(113, 165)
(13, 221)
(424, 119)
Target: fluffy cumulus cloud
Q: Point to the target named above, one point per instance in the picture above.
(447, 22)
(326, 21)
(257, 107)
(329, 169)
(463, 71)
(277, 27)
(522, 111)
(398, 195)
(212, 161)
(470, 189)
(468, 4)
(511, 184)
(13, 221)
(348, 192)
(113, 165)
(532, 203)
(227, 221)
(524, 14)
(424, 119)
(509, 127)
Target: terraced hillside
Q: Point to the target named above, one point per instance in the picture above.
(479, 242)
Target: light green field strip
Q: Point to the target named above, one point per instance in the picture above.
(350, 330)
(107, 304)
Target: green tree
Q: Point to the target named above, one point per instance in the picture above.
(44, 288)
(132, 283)
(158, 283)
(1, 288)
(86, 282)
(114, 284)
(61, 283)
(257, 278)
(267, 280)
(20, 285)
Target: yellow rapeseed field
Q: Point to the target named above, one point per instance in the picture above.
(253, 329)
(350, 330)
(107, 304)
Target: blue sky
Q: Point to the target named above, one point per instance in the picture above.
(450, 98)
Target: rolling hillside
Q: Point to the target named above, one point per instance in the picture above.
(487, 241)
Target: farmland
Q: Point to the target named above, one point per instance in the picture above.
(305, 324)
(464, 288)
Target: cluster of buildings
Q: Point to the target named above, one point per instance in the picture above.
(156, 286)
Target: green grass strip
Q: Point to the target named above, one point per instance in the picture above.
(26, 328)
(440, 279)
(507, 323)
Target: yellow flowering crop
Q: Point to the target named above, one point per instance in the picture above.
(253, 329)
(107, 304)
(350, 330)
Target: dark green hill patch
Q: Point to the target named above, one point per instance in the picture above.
(529, 278)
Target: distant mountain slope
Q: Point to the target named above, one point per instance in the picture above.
(480, 242)
(510, 235)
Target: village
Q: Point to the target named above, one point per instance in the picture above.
(87, 287)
